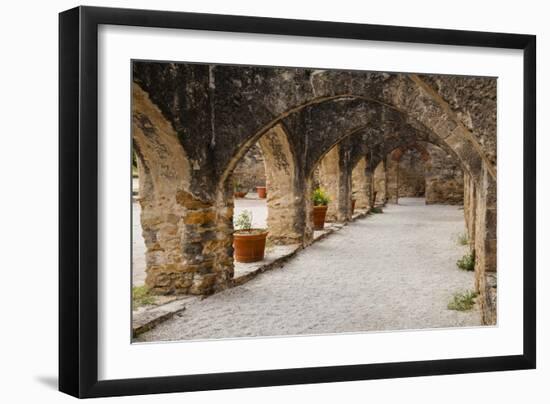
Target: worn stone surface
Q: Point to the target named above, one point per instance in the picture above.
(146, 319)
(287, 200)
(380, 184)
(412, 181)
(444, 178)
(250, 171)
(360, 184)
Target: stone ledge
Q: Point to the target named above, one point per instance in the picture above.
(274, 259)
(146, 318)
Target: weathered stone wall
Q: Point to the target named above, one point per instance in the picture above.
(287, 193)
(444, 178)
(470, 208)
(485, 244)
(379, 179)
(360, 185)
(329, 181)
(412, 182)
(392, 179)
(250, 171)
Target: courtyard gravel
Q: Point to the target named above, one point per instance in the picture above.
(390, 271)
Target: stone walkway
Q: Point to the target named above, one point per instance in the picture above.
(389, 271)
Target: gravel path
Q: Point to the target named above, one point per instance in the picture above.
(389, 271)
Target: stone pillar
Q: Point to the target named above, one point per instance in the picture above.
(380, 189)
(392, 179)
(188, 238)
(360, 184)
(469, 208)
(286, 200)
(335, 179)
(485, 244)
(369, 178)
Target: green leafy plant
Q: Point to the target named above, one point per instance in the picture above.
(376, 209)
(320, 197)
(462, 239)
(141, 296)
(243, 222)
(462, 301)
(467, 262)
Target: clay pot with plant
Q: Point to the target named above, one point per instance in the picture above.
(262, 192)
(320, 205)
(248, 243)
(238, 190)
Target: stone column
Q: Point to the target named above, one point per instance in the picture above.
(380, 184)
(485, 244)
(392, 179)
(369, 178)
(335, 179)
(469, 208)
(286, 200)
(360, 184)
(188, 237)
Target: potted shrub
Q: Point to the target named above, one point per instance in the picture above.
(320, 202)
(248, 243)
(238, 190)
(262, 192)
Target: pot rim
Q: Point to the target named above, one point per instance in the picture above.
(260, 234)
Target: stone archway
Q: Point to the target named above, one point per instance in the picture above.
(409, 180)
(211, 114)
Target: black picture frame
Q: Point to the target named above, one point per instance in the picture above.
(78, 201)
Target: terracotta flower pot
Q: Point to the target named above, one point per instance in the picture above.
(319, 214)
(352, 206)
(262, 192)
(240, 194)
(249, 246)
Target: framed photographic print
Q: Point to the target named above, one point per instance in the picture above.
(251, 201)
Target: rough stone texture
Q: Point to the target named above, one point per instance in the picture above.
(193, 123)
(470, 208)
(335, 179)
(380, 183)
(444, 178)
(286, 199)
(392, 179)
(412, 182)
(225, 109)
(360, 185)
(250, 171)
(424, 169)
(485, 244)
(473, 100)
(329, 181)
